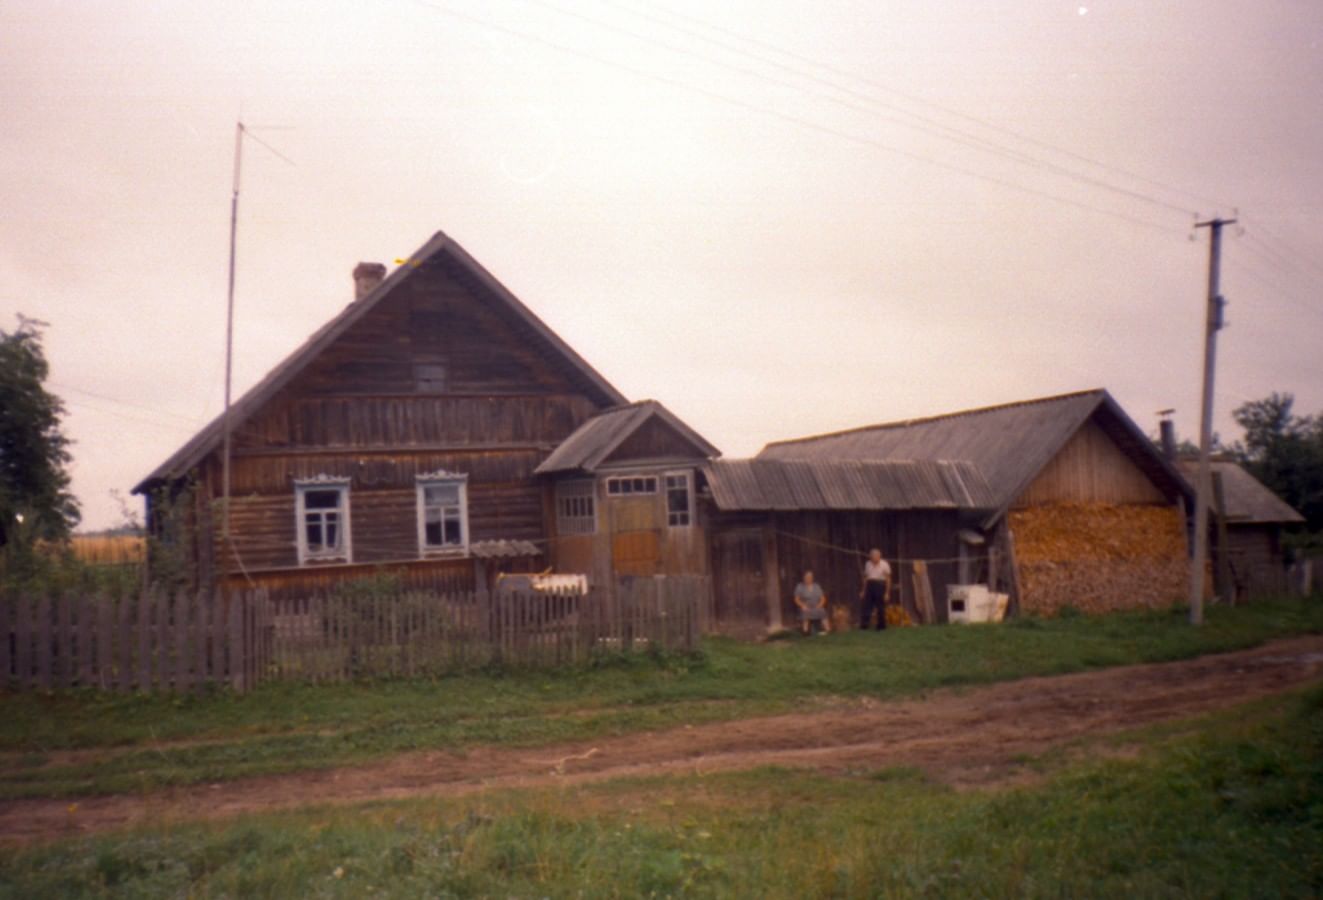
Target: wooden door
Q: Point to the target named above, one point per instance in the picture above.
(738, 582)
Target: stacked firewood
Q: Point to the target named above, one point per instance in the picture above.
(1099, 557)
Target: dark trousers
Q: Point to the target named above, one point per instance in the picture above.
(875, 597)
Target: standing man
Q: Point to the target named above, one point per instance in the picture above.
(876, 589)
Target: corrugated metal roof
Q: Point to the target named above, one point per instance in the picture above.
(772, 484)
(439, 246)
(1009, 445)
(594, 440)
(1248, 500)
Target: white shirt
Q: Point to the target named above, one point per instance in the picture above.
(877, 571)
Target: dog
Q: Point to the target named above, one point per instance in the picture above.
(840, 618)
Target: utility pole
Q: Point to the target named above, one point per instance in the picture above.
(1213, 325)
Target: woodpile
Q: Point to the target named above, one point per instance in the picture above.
(1099, 557)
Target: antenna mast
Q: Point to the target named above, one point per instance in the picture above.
(229, 338)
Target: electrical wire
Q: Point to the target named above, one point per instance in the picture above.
(162, 412)
(927, 124)
(921, 101)
(796, 120)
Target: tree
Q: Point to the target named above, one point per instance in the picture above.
(1285, 452)
(35, 502)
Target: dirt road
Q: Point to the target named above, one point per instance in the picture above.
(960, 736)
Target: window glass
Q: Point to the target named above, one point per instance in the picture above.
(442, 515)
(322, 532)
(679, 502)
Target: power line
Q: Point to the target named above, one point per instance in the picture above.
(175, 429)
(797, 120)
(1290, 256)
(116, 400)
(927, 124)
(921, 101)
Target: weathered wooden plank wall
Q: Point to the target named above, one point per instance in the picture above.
(1090, 468)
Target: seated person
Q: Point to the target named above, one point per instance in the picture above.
(812, 603)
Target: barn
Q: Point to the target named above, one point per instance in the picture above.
(1254, 519)
(1085, 511)
(770, 519)
(406, 433)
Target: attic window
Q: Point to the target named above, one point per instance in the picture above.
(627, 485)
(429, 377)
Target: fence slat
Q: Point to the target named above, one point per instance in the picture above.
(149, 639)
(44, 642)
(8, 605)
(63, 639)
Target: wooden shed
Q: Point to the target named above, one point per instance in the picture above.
(771, 519)
(1255, 518)
(405, 433)
(1086, 506)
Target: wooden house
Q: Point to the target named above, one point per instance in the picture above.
(1085, 511)
(1254, 519)
(406, 433)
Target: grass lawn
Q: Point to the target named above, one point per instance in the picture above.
(1230, 805)
(80, 743)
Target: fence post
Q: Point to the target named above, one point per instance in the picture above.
(105, 641)
(7, 605)
(147, 629)
(63, 644)
(86, 640)
(235, 642)
(44, 642)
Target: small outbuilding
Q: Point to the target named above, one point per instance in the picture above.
(1255, 519)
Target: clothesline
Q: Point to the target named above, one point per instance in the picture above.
(853, 551)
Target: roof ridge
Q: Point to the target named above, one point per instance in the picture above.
(905, 423)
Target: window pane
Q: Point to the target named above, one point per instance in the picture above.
(313, 533)
(332, 533)
(432, 532)
(452, 532)
(441, 494)
(321, 499)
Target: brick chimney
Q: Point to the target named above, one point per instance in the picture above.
(1168, 432)
(366, 278)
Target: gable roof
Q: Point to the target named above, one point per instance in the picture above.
(1248, 501)
(595, 440)
(783, 484)
(440, 249)
(1010, 444)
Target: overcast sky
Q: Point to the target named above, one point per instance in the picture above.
(776, 218)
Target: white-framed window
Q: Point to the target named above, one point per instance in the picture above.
(679, 499)
(628, 485)
(443, 513)
(322, 519)
(576, 508)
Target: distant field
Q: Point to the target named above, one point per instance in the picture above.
(98, 549)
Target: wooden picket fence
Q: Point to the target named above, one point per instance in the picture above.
(181, 642)
(153, 641)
